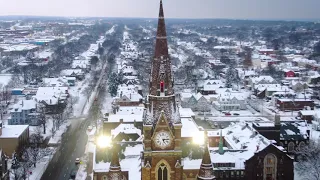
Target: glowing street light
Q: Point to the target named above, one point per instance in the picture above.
(104, 141)
(198, 138)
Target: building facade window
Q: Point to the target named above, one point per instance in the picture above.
(290, 147)
(302, 145)
(104, 178)
(162, 172)
(270, 167)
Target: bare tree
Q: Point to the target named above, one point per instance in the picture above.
(87, 91)
(36, 140)
(41, 109)
(308, 165)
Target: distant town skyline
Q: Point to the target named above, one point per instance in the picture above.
(229, 9)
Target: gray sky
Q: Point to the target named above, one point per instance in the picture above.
(235, 9)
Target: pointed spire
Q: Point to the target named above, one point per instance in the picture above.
(161, 39)
(206, 168)
(221, 151)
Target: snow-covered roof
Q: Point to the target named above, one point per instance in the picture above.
(294, 131)
(189, 128)
(273, 88)
(191, 163)
(13, 131)
(126, 129)
(260, 78)
(17, 47)
(308, 112)
(243, 142)
(125, 117)
(80, 64)
(50, 95)
(5, 79)
(304, 60)
(128, 110)
(23, 105)
(55, 81)
(130, 163)
(128, 69)
(186, 112)
(68, 72)
(227, 94)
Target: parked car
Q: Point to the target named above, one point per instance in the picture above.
(227, 114)
(73, 174)
(77, 161)
(236, 114)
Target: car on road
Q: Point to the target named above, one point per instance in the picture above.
(77, 161)
(73, 174)
(227, 114)
(236, 114)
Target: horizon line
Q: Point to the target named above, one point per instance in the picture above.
(178, 18)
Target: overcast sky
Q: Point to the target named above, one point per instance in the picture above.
(235, 9)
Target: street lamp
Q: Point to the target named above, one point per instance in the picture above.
(198, 138)
(104, 141)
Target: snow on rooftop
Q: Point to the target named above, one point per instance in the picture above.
(189, 127)
(50, 94)
(13, 131)
(125, 117)
(131, 163)
(186, 112)
(191, 163)
(126, 129)
(5, 79)
(24, 105)
(128, 110)
(17, 47)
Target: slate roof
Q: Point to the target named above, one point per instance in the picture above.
(294, 131)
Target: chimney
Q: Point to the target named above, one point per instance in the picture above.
(50, 101)
(121, 120)
(121, 94)
(0, 128)
(277, 119)
(257, 148)
(130, 95)
(308, 132)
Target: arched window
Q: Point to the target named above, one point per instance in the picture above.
(270, 167)
(290, 147)
(301, 145)
(162, 172)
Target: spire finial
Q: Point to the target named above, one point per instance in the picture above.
(221, 151)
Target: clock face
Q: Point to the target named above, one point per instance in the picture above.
(162, 139)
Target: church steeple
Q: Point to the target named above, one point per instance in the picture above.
(161, 81)
(206, 168)
(161, 38)
(161, 93)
